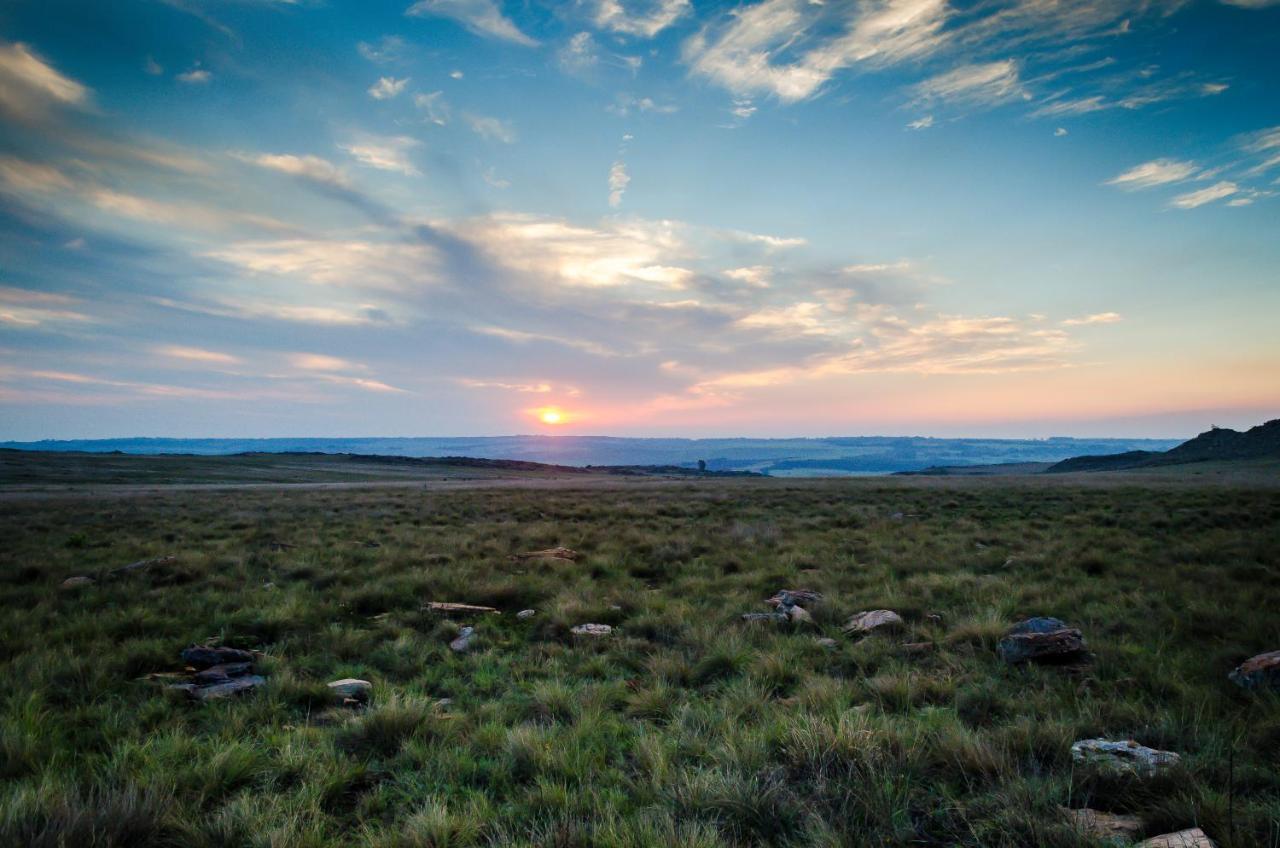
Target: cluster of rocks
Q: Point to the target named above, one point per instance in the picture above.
(787, 607)
(82, 580)
(217, 673)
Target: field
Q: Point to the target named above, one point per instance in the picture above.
(684, 727)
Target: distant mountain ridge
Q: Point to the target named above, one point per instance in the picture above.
(808, 457)
(1218, 444)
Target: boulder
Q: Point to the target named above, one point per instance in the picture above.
(351, 689)
(202, 656)
(1041, 640)
(1096, 824)
(1123, 757)
(462, 644)
(1193, 838)
(866, 622)
(591, 630)
(77, 582)
(791, 597)
(235, 686)
(798, 615)
(222, 673)
(1260, 672)
(526, 614)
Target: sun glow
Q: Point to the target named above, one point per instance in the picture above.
(550, 416)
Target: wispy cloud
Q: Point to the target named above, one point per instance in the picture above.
(196, 354)
(1096, 318)
(30, 86)
(387, 87)
(491, 129)
(986, 84)
(1194, 199)
(434, 106)
(1157, 172)
(483, 17)
(311, 168)
(195, 76)
(651, 18)
(618, 180)
(386, 153)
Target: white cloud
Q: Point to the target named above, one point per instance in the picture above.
(656, 16)
(456, 75)
(1157, 172)
(491, 129)
(387, 87)
(1059, 132)
(1193, 199)
(987, 84)
(152, 67)
(753, 275)
(921, 123)
(579, 55)
(435, 107)
(29, 85)
(195, 354)
(322, 362)
(483, 17)
(618, 180)
(195, 76)
(386, 153)
(774, 46)
(1097, 318)
(352, 263)
(491, 177)
(526, 388)
(311, 168)
(390, 48)
(26, 308)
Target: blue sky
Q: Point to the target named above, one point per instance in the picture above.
(261, 218)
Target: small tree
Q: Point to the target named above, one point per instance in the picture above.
(702, 465)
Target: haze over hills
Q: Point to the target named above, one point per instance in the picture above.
(1218, 444)
(779, 457)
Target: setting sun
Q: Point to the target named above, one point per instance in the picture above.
(551, 416)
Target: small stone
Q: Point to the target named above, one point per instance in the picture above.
(1123, 757)
(77, 582)
(791, 597)
(526, 614)
(591, 630)
(202, 656)
(557, 553)
(1041, 640)
(444, 703)
(827, 642)
(1096, 824)
(462, 644)
(798, 615)
(351, 688)
(231, 687)
(1193, 838)
(448, 607)
(865, 622)
(1260, 672)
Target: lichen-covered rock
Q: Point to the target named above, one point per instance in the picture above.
(866, 622)
(1096, 824)
(1041, 640)
(1123, 757)
(1260, 672)
(202, 656)
(351, 688)
(1193, 838)
(591, 630)
(462, 644)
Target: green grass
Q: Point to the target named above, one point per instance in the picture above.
(686, 727)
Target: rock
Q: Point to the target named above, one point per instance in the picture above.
(144, 564)
(865, 622)
(765, 616)
(231, 687)
(202, 656)
(798, 615)
(1124, 757)
(1193, 838)
(526, 614)
(351, 689)
(77, 582)
(1041, 640)
(559, 553)
(827, 642)
(463, 643)
(1096, 824)
(591, 630)
(791, 597)
(447, 607)
(1260, 672)
(222, 673)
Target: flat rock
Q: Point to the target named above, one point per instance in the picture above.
(798, 615)
(1096, 824)
(591, 630)
(827, 642)
(351, 688)
(1260, 672)
(551, 553)
(222, 673)
(865, 622)
(1041, 640)
(202, 656)
(791, 597)
(1126, 756)
(77, 582)
(448, 607)
(235, 686)
(1193, 838)
(462, 644)
(144, 564)
(526, 614)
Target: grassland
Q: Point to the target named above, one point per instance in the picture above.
(685, 727)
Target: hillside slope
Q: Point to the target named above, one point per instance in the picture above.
(1218, 444)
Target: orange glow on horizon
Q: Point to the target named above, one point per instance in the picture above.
(551, 416)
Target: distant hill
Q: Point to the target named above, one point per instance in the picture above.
(1218, 444)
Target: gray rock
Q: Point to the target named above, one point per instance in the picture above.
(77, 582)
(866, 622)
(1260, 672)
(351, 688)
(1041, 640)
(827, 642)
(222, 673)
(1095, 824)
(202, 656)
(1123, 757)
(462, 644)
(526, 614)
(235, 686)
(1193, 838)
(797, 615)
(591, 630)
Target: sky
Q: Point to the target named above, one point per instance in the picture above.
(638, 217)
